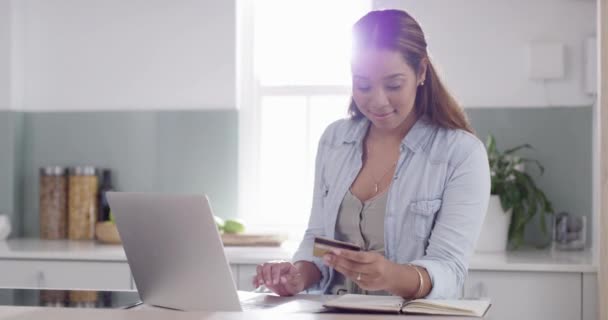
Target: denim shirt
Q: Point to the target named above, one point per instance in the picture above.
(436, 203)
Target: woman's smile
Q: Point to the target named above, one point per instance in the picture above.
(381, 115)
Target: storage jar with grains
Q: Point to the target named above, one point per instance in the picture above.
(53, 207)
(82, 201)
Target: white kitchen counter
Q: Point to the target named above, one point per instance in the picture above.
(535, 260)
(36, 249)
(524, 260)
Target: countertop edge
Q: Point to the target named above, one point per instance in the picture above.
(62, 250)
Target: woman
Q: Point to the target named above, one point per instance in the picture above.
(405, 178)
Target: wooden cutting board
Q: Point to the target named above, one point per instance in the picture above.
(253, 240)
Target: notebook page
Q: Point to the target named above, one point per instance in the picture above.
(367, 302)
(466, 307)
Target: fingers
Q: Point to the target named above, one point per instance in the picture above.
(342, 263)
(346, 272)
(363, 280)
(283, 278)
(292, 281)
(267, 273)
(357, 256)
(259, 277)
(276, 271)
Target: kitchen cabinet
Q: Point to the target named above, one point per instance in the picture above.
(95, 275)
(528, 295)
(522, 285)
(590, 296)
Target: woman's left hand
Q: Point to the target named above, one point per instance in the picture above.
(369, 270)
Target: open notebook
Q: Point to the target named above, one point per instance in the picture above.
(393, 304)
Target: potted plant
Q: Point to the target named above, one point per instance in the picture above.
(515, 199)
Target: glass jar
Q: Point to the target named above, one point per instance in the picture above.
(569, 231)
(82, 203)
(53, 208)
(53, 298)
(83, 299)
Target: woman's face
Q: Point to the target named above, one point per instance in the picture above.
(384, 86)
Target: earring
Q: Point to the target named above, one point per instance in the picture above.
(421, 83)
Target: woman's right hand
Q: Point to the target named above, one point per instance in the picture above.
(282, 277)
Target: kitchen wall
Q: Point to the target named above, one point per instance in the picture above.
(11, 165)
(196, 151)
(148, 151)
(481, 47)
(146, 88)
(5, 54)
(124, 54)
(562, 142)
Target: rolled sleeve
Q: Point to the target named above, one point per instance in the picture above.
(457, 226)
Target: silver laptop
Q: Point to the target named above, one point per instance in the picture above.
(175, 251)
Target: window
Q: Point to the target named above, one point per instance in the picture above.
(295, 80)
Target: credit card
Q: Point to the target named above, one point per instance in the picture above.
(325, 245)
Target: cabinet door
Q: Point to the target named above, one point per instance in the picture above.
(527, 295)
(590, 297)
(46, 274)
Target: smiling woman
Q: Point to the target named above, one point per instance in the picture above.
(403, 178)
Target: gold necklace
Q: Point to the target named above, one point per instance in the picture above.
(376, 182)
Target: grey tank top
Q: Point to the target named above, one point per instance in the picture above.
(361, 223)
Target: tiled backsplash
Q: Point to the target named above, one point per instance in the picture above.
(178, 152)
(11, 164)
(196, 151)
(562, 141)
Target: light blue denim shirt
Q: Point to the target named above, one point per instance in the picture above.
(436, 203)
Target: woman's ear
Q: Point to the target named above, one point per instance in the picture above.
(424, 63)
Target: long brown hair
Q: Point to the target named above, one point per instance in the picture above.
(397, 30)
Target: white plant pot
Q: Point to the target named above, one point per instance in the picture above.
(495, 230)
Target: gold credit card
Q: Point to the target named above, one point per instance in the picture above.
(325, 245)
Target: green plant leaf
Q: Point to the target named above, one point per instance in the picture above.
(540, 167)
(523, 146)
(491, 144)
(517, 190)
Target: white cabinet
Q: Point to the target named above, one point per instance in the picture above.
(522, 285)
(528, 295)
(590, 294)
(47, 274)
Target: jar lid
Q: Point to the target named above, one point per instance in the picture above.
(83, 171)
(53, 171)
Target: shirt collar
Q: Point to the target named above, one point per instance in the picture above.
(414, 140)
